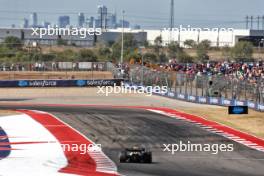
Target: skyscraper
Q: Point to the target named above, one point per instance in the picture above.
(46, 24)
(125, 23)
(25, 23)
(81, 20)
(91, 22)
(102, 16)
(112, 21)
(63, 21)
(34, 19)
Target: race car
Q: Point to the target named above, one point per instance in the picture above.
(135, 155)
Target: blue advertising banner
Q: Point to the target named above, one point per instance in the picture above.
(251, 104)
(210, 100)
(60, 83)
(239, 103)
(181, 96)
(226, 102)
(213, 100)
(202, 100)
(260, 107)
(192, 98)
(171, 94)
(237, 110)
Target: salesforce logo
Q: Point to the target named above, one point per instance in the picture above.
(238, 110)
(23, 83)
(81, 83)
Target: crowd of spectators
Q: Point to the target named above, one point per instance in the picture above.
(244, 71)
(53, 66)
(38, 66)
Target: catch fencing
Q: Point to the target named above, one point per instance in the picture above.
(55, 66)
(57, 70)
(216, 89)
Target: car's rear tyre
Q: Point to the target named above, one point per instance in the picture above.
(148, 157)
(122, 157)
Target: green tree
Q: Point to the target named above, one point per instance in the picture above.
(134, 55)
(116, 51)
(183, 57)
(6, 52)
(242, 51)
(190, 43)
(150, 57)
(226, 51)
(110, 43)
(130, 44)
(202, 50)
(158, 45)
(12, 42)
(163, 58)
(173, 49)
(104, 53)
(202, 54)
(146, 44)
(62, 42)
(21, 57)
(206, 44)
(87, 55)
(66, 55)
(48, 57)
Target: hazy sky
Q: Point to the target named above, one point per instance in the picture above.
(148, 13)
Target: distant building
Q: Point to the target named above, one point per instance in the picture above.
(46, 24)
(63, 21)
(102, 16)
(81, 20)
(137, 26)
(220, 39)
(103, 19)
(34, 19)
(90, 22)
(25, 23)
(112, 21)
(26, 36)
(126, 24)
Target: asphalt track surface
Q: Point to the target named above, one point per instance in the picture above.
(117, 128)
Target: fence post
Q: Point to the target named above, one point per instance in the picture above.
(196, 85)
(245, 90)
(191, 82)
(202, 85)
(186, 81)
(181, 83)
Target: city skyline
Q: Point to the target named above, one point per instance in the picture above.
(148, 15)
(102, 19)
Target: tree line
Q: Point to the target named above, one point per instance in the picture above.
(13, 50)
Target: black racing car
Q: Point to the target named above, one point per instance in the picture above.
(135, 155)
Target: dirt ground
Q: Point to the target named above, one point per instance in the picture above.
(252, 123)
(7, 113)
(11, 75)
